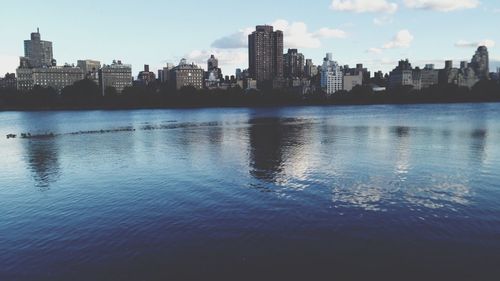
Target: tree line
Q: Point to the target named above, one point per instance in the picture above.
(86, 94)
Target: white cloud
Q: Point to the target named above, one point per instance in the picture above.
(467, 44)
(229, 59)
(296, 35)
(330, 33)
(385, 20)
(442, 5)
(8, 63)
(374, 50)
(402, 39)
(233, 41)
(364, 6)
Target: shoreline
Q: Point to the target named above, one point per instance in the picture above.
(222, 106)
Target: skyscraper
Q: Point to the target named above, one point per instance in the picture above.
(480, 63)
(331, 75)
(213, 68)
(294, 64)
(38, 52)
(212, 63)
(310, 69)
(265, 54)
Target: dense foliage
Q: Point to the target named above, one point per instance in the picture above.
(86, 94)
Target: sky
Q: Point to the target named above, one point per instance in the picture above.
(376, 33)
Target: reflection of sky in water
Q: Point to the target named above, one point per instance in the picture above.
(368, 160)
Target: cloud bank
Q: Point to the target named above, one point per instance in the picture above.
(442, 5)
(364, 6)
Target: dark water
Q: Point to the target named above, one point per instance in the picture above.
(315, 193)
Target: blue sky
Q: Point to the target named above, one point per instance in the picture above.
(375, 32)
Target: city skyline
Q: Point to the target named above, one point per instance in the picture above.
(375, 33)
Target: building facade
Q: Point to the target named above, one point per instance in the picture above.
(480, 63)
(293, 64)
(265, 53)
(429, 76)
(38, 52)
(352, 79)
(116, 75)
(187, 75)
(56, 77)
(146, 77)
(402, 75)
(9, 81)
(90, 69)
(166, 73)
(213, 71)
(310, 70)
(332, 78)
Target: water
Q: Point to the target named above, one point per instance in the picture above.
(307, 192)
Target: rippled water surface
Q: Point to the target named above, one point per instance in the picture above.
(408, 191)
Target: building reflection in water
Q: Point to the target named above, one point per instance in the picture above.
(42, 160)
(403, 152)
(478, 143)
(273, 141)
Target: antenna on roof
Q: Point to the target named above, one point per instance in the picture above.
(37, 30)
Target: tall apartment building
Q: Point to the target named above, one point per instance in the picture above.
(332, 78)
(38, 52)
(116, 75)
(310, 69)
(480, 63)
(265, 54)
(293, 64)
(213, 70)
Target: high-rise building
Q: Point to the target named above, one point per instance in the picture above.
(115, 75)
(293, 64)
(185, 75)
(38, 52)
(238, 74)
(265, 54)
(480, 63)
(310, 69)
(212, 63)
(213, 70)
(332, 78)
